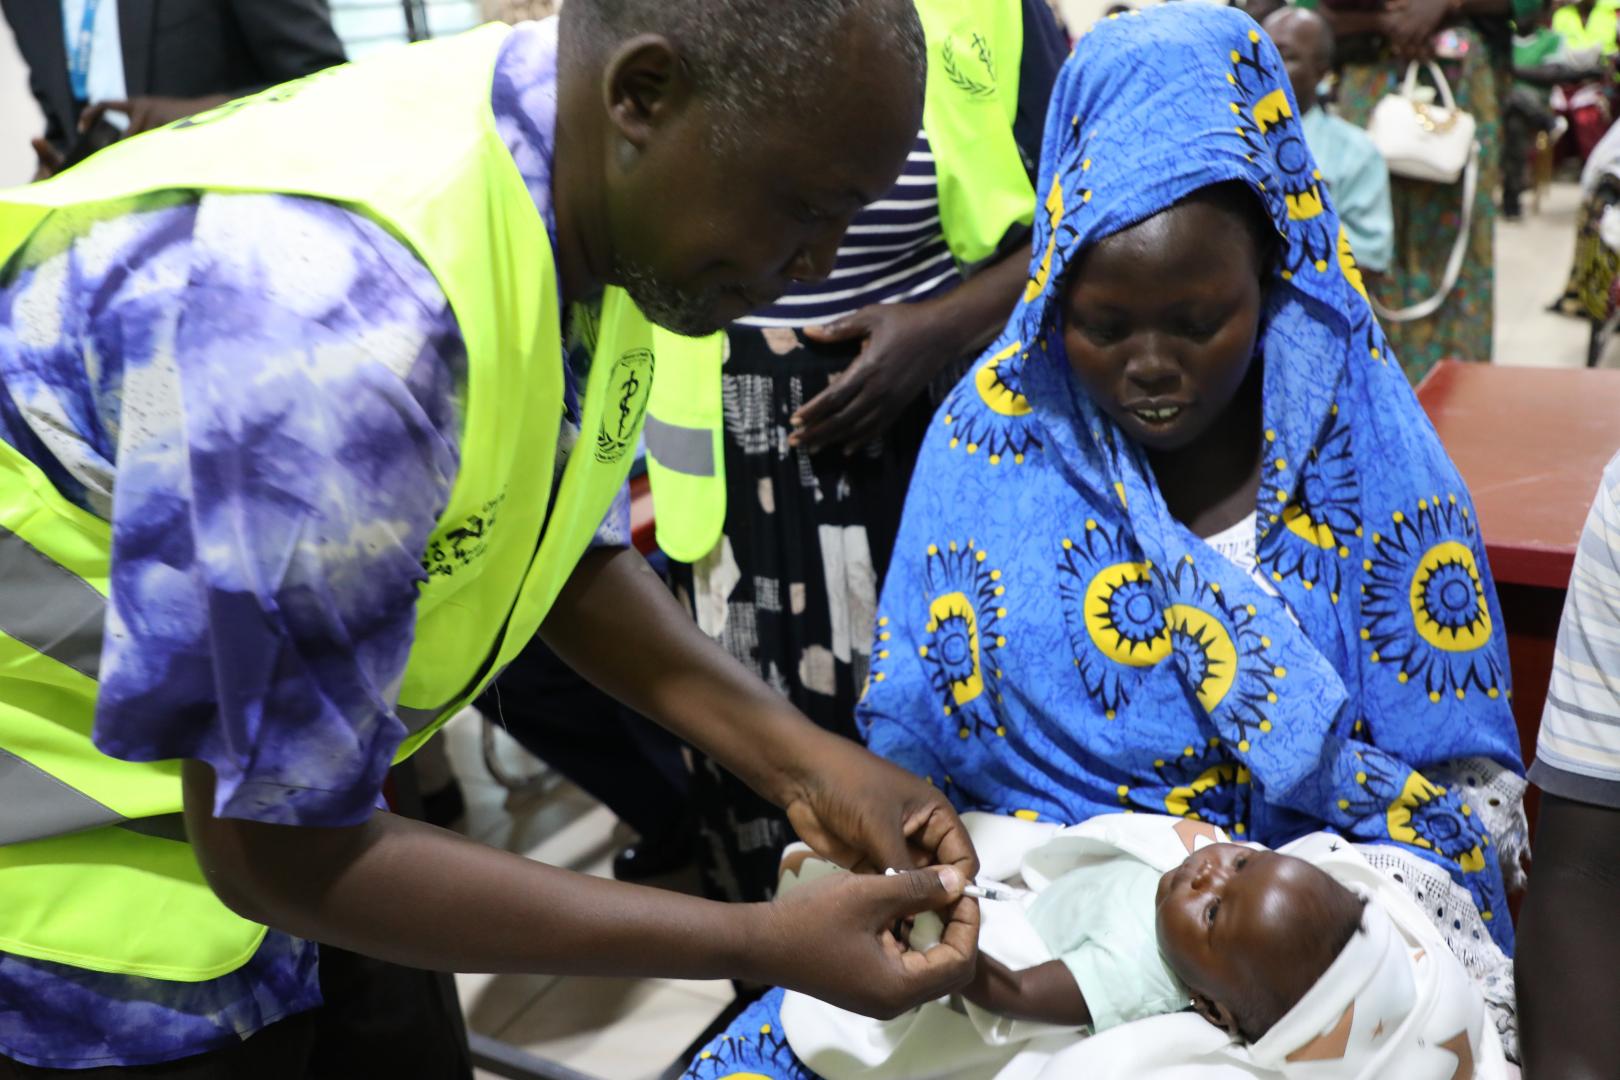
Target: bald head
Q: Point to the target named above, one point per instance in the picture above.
(1305, 41)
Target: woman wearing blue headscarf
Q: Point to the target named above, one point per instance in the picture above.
(1184, 542)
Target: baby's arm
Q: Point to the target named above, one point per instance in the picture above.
(1046, 993)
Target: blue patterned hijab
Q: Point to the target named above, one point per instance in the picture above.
(1052, 643)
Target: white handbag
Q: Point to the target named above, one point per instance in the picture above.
(1424, 141)
(1419, 139)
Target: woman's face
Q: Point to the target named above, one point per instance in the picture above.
(1160, 321)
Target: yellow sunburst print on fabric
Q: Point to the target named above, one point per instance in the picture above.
(1270, 121)
(1054, 212)
(1126, 616)
(1448, 599)
(1404, 815)
(994, 390)
(988, 415)
(1122, 616)
(1206, 650)
(1271, 110)
(1301, 524)
(1426, 616)
(1347, 263)
(956, 611)
(962, 634)
(1184, 800)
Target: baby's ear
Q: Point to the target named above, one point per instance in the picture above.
(1216, 1013)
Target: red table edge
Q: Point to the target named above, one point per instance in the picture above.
(1544, 566)
(1534, 566)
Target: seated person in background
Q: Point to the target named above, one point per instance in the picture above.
(1183, 542)
(1589, 291)
(1351, 165)
(1131, 916)
(1588, 30)
(1543, 65)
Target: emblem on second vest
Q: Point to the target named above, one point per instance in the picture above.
(625, 404)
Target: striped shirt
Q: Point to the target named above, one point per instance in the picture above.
(1578, 751)
(894, 252)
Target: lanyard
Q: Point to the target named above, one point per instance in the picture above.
(79, 55)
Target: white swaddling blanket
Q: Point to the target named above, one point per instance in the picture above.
(1395, 1004)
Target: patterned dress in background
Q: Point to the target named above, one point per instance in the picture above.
(790, 591)
(1428, 215)
(1590, 291)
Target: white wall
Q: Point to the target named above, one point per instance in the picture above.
(19, 115)
(367, 26)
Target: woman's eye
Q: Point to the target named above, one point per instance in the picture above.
(1201, 330)
(1211, 911)
(1241, 861)
(1102, 333)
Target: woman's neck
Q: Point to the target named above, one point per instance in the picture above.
(1213, 482)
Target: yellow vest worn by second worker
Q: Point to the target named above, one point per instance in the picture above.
(975, 49)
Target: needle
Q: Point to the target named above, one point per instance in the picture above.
(995, 892)
(984, 892)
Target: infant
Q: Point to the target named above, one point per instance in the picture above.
(1147, 947)
(1238, 932)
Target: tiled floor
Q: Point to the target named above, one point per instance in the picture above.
(1533, 257)
(629, 1029)
(614, 1029)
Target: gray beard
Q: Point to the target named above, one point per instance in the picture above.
(687, 313)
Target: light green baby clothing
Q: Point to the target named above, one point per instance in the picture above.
(1099, 920)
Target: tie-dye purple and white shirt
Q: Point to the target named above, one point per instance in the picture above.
(261, 394)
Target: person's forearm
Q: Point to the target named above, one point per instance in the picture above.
(424, 897)
(618, 625)
(1046, 993)
(978, 309)
(1568, 959)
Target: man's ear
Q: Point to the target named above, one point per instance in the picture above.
(1217, 1014)
(644, 83)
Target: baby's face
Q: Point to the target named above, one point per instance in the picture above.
(1227, 916)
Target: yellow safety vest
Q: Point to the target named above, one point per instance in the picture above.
(1597, 32)
(94, 870)
(975, 49)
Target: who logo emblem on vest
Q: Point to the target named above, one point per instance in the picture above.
(628, 386)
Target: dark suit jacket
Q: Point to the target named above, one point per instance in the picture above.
(179, 48)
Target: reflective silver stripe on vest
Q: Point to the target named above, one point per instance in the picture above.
(686, 450)
(49, 608)
(53, 611)
(34, 804)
